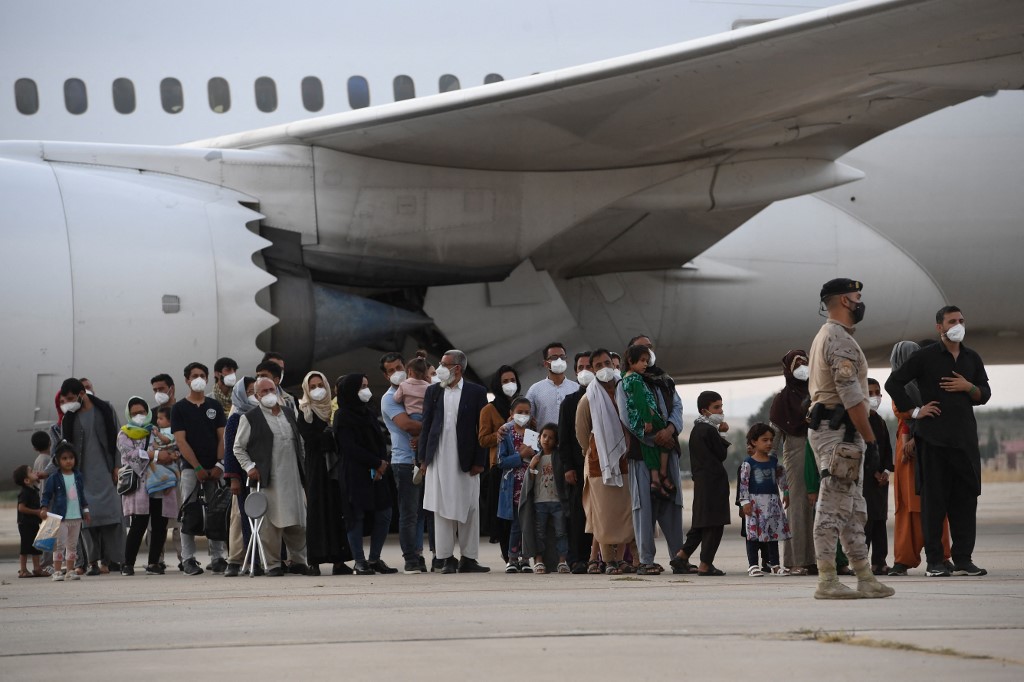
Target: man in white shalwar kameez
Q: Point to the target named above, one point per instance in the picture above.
(268, 447)
(453, 458)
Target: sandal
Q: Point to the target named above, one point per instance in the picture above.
(539, 567)
(563, 567)
(647, 569)
(659, 568)
(594, 567)
(22, 573)
(711, 572)
(627, 567)
(755, 572)
(780, 570)
(612, 569)
(798, 570)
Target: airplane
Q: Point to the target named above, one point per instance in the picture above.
(329, 180)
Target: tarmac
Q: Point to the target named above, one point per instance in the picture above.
(524, 627)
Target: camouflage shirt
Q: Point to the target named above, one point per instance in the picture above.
(839, 370)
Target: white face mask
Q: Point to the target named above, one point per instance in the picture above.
(88, 392)
(435, 379)
(318, 393)
(956, 333)
(521, 419)
(558, 366)
(166, 430)
(365, 394)
(281, 383)
(802, 373)
(230, 379)
(617, 372)
(650, 363)
(606, 374)
(71, 407)
(398, 377)
(510, 389)
(269, 400)
(584, 377)
(715, 419)
(198, 384)
(253, 400)
(161, 398)
(874, 401)
(443, 374)
(139, 419)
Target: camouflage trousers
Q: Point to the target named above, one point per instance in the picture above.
(841, 511)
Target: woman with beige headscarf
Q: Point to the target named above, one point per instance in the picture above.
(326, 539)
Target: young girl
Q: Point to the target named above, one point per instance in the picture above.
(64, 493)
(546, 502)
(645, 419)
(761, 477)
(29, 518)
(513, 456)
(411, 391)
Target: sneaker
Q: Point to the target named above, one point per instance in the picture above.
(898, 569)
(524, 566)
(949, 566)
(379, 566)
(232, 571)
(422, 563)
(298, 569)
(58, 577)
(467, 565)
(449, 565)
(156, 569)
(218, 566)
(511, 567)
(361, 568)
(436, 565)
(412, 567)
(94, 569)
(73, 576)
(968, 568)
(191, 567)
(113, 566)
(275, 572)
(937, 571)
(127, 570)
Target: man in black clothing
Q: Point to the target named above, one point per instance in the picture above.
(952, 381)
(569, 473)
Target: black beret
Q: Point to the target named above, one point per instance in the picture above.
(840, 285)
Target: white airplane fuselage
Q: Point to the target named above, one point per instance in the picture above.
(937, 218)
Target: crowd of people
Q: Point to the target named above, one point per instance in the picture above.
(565, 476)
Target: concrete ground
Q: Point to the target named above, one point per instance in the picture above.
(525, 627)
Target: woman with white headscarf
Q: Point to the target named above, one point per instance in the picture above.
(326, 539)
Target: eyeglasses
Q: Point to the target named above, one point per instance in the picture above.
(556, 357)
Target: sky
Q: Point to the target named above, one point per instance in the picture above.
(742, 398)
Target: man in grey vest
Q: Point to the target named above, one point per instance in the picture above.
(269, 449)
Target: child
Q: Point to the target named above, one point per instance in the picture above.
(645, 419)
(64, 493)
(41, 445)
(512, 458)
(546, 502)
(761, 477)
(29, 518)
(164, 440)
(876, 484)
(411, 391)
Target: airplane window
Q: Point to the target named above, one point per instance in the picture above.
(493, 78)
(312, 93)
(171, 96)
(124, 95)
(26, 96)
(447, 83)
(219, 93)
(358, 92)
(266, 94)
(404, 88)
(75, 98)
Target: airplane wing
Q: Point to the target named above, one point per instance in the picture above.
(797, 93)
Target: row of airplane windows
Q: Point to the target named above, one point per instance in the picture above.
(172, 96)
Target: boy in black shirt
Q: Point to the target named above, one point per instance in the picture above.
(29, 518)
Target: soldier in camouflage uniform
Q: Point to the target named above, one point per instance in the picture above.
(840, 434)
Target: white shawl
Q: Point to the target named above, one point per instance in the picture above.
(608, 434)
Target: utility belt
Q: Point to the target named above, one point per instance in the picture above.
(843, 462)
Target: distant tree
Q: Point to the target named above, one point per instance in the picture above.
(762, 412)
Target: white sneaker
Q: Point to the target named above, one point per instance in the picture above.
(58, 577)
(511, 567)
(73, 575)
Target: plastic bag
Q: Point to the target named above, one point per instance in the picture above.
(46, 538)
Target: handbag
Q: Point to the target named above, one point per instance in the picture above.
(192, 513)
(127, 481)
(218, 513)
(160, 478)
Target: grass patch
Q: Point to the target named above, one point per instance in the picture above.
(632, 579)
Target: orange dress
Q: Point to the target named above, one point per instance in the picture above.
(908, 538)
